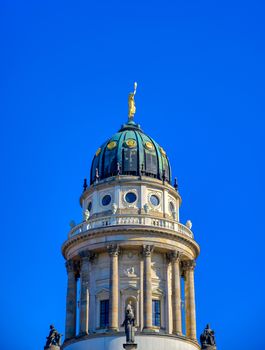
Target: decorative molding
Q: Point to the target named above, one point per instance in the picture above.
(101, 292)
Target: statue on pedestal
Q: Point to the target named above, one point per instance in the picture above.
(128, 323)
(131, 103)
(53, 339)
(207, 339)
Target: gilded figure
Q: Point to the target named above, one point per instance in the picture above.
(131, 103)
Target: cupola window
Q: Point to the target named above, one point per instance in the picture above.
(106, 200)
(154, 200)
(130, 197)
(89, 206)
(172, 207)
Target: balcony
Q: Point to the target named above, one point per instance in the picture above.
(132, 220)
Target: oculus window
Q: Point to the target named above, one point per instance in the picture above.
(106, 200)
(154, 200)
(130, 197)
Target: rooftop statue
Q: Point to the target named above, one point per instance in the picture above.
(128, 323)
(54, 338)
(131, 103)
(207, 339)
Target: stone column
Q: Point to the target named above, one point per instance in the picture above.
(113, 250)
(188, 267)
(84, 292)
(70, 323)
(147, 252)
(176, 292)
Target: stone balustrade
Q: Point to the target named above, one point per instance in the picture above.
(137, 220)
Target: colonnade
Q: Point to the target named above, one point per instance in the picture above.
(179, 267)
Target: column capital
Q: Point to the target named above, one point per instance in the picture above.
(86, 257)
(85, 254)
(188, 265)
(70, 265)
(173, 256)
(113, 249)
(147, 250)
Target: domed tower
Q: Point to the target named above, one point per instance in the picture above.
(131, 249)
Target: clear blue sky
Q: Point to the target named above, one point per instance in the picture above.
(65, 72)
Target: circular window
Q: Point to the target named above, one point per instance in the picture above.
(172, 207)
(154, 200)
(130, 197)
(106, 200)
(149, 145)
(131, 143)
(89, 207)
(111, 145)
(162, 151)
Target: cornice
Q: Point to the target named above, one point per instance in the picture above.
(111, 231)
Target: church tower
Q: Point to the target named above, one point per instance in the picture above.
(130, 249)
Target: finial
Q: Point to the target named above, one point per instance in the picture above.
(85, 184)
(176, 184)
(131, 103)
(164, 176)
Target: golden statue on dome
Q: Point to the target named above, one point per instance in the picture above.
(131, 103)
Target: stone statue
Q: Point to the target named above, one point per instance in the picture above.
(189, 224)
(53, 339)
(128, 323)
(72, 224)
(86, 215)
(146, 208)
(114, 208)
(131, 103)
(207, 339)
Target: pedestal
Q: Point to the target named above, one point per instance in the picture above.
(52, 347)
(129, 346)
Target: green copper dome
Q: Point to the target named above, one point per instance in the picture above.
(130, 152)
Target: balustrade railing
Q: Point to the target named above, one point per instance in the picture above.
(116, 220)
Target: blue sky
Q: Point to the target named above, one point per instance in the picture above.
(65, 72)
